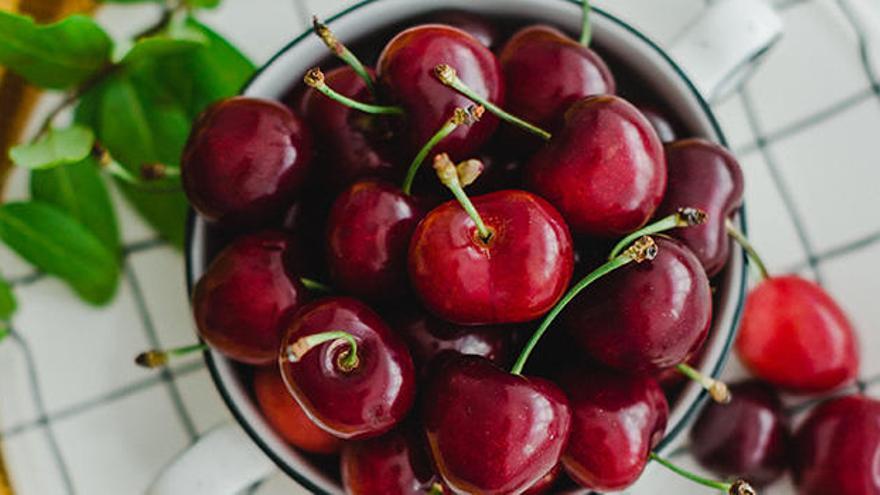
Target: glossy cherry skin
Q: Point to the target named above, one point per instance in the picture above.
(616, 421)
(478, 27)
(241, 300)
(489, 431)
(286, 416)
(361, 403)
(545, 484)
(795, 336)
(666, 129)
(516, 276)
(747, 438)
(604, 170)
(352, 145)
(245, 160)
(368, 234)
(395, 463)
(704, 175)
(406, 71)
(837, 449)
(537, 90)
(428, 336)
(645, 317)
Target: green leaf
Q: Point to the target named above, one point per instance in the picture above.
(79, 190)
(203, 4)
(57, 244)
(178, 39)
(58, 55)
(8, 304)
(55, 148)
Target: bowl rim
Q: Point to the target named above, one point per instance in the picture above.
(739, 292)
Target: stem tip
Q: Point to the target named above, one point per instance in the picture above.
(740, 487)
(719, 392)
(151, 359)
(445, 73)
(692, 216)
(644, 249)
(314, 78)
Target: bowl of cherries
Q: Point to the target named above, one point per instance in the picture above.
(486, 249)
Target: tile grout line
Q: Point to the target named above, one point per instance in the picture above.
(842, 250)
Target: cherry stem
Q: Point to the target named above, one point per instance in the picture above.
(314, 285)
(684, 217)
(347, 361)
(586, 28)
(448, 76)
(717, 389)
(157, 358)
(738, 487)
(344, 54)
(644, 249)
(448, 175)
(435, 489)
(743, 241)
(314, 78)
(459, 117)
(158, 171)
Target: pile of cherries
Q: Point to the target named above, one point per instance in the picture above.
(384, 321)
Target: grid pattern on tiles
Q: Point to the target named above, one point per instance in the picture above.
(763, 144)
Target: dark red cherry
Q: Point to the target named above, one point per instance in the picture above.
(353, 145)
(368, 235)
(515, 276)
(286, 416)
(241, 300)
(746, 438)
(702, 174)
(667, 129)
(604, 170)
(427, 336)
(795, 336)
(489, 431)
(538, 89)
(837, 449)
(395, 463)
(616, 421)
(350, 403)
(647, 316)
(406, 70)
(545, 484)
(475, 25)
(245, 160)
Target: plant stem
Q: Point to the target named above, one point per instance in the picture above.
(743, 241)
(344, 54)
(347, 361)
(643, 249)
(157, 358)
(737, 488)
(684, 217)
(315, 79)
(316, 286)
(447, 75)
(586, 28)
(448, 175)
(717, 389)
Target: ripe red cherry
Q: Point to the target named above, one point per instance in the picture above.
(245, 160)
(515, 276)
(746, 438)
(703, 175)
(395, 463)
(795, 336)
(645, 317)
(362, 402)
(287, 418)
(545, 484)
(368, 234)
(545, 71)
(489, 431)
(352, 145)
(241, 300)
(616, 421)
(406, 70)
(666, 129)
(476, 26)
(837, 449)
(428, 336)
(604, 170)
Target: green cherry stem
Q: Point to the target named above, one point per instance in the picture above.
(448, 76)
(157, 358)
(435, 489)
(738, 487)
(314, 78)
(717, 389)
(644, 249)
(459, 117)
(684, 217)
(344, 54)
(586, 28)
(448, 175)
(346, 361)
(743, 241)
(315, 286)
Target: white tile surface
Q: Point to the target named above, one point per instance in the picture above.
(17, 408)
(202, 401)
(31, 465)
